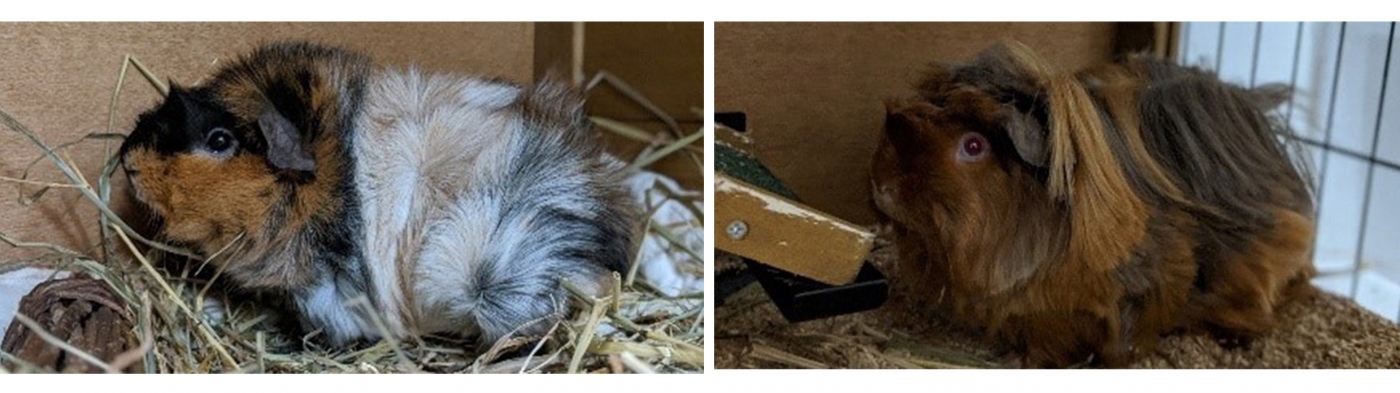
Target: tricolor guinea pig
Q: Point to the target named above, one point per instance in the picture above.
(1083, 215)
(448, 203)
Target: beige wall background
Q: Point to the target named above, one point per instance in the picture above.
(58, 79)
(813, 92)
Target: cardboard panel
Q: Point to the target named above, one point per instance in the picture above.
(813, 92)
(663, 60)
(59, 77)
(554, 48)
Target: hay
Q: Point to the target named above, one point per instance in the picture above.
(634, 328)
(1323, 331)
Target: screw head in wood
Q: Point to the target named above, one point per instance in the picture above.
(737, 230)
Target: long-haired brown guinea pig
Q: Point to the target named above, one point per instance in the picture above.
(447, 203)
(1078, 216)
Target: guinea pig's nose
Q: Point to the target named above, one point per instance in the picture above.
(882, 189)
(121, 159)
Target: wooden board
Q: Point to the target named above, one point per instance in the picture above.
(787, 235)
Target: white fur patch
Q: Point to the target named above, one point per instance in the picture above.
(337, 316)
(214, 312)
(490, 94)
(450, 259)
(421, 139)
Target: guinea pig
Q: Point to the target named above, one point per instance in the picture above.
(1078, 217)
(433, 202)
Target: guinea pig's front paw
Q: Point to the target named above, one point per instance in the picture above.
(213, 312)
(1012, 360)
(1234, 342)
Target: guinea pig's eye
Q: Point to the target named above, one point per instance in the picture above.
(972, 147)
(219, 140)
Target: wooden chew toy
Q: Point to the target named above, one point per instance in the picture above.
(776, 231)
(760, 219)
(812, 265)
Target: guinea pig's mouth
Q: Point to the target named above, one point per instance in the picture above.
(135, 181)
(121, 158)
(133, 178)
(883, 195)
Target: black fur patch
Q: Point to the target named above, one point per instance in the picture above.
(182, 122)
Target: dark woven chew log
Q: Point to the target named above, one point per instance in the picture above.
(79, 311)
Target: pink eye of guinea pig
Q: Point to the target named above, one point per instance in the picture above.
(972, 147)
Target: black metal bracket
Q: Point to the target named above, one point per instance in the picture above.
(803, 299)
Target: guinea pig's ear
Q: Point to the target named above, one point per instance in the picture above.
(178, 99)
(1027, 132)
(902, 128)
(1016, 77)
(284, 145)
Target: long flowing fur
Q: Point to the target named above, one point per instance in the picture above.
(1122, 203)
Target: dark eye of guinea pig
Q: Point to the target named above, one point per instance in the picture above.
(220, 140)
(972, 147)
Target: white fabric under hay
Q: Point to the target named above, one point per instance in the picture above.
(662, 263)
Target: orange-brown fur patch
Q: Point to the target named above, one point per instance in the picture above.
(209, 204)
(202, 201)
(1261, 275)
